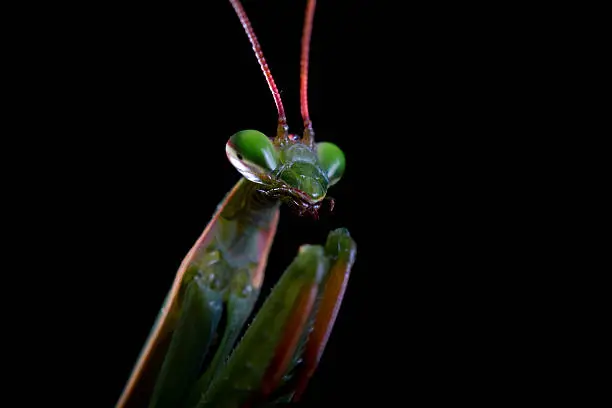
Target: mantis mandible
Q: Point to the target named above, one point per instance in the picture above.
(191, 358)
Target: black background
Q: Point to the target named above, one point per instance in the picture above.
(149, 96)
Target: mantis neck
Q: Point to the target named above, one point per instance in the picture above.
(245, 219)
(249, 207)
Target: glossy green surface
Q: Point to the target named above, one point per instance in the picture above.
(290, 167)
(254, 147)
(331, 160)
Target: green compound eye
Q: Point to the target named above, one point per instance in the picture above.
(252, 153)
(332, 161)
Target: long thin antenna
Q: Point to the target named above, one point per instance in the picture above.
(282, 132)
(308, 137)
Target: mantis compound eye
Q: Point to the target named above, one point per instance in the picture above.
(252, 154)
(331, 160)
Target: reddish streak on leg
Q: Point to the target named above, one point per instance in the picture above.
(324, 322)
(292, 334)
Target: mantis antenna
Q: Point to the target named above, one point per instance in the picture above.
(308, 137)
(283, 129)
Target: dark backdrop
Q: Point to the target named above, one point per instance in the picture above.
(155, 91)
(175, 83)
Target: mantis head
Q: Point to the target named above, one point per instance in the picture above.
(296, 172)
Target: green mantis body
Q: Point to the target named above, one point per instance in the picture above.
(192, 357)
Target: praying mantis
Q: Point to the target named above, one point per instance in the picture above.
(194, 356)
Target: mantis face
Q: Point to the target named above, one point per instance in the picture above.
(290, 171)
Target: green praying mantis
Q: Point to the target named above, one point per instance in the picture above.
(193, 357)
